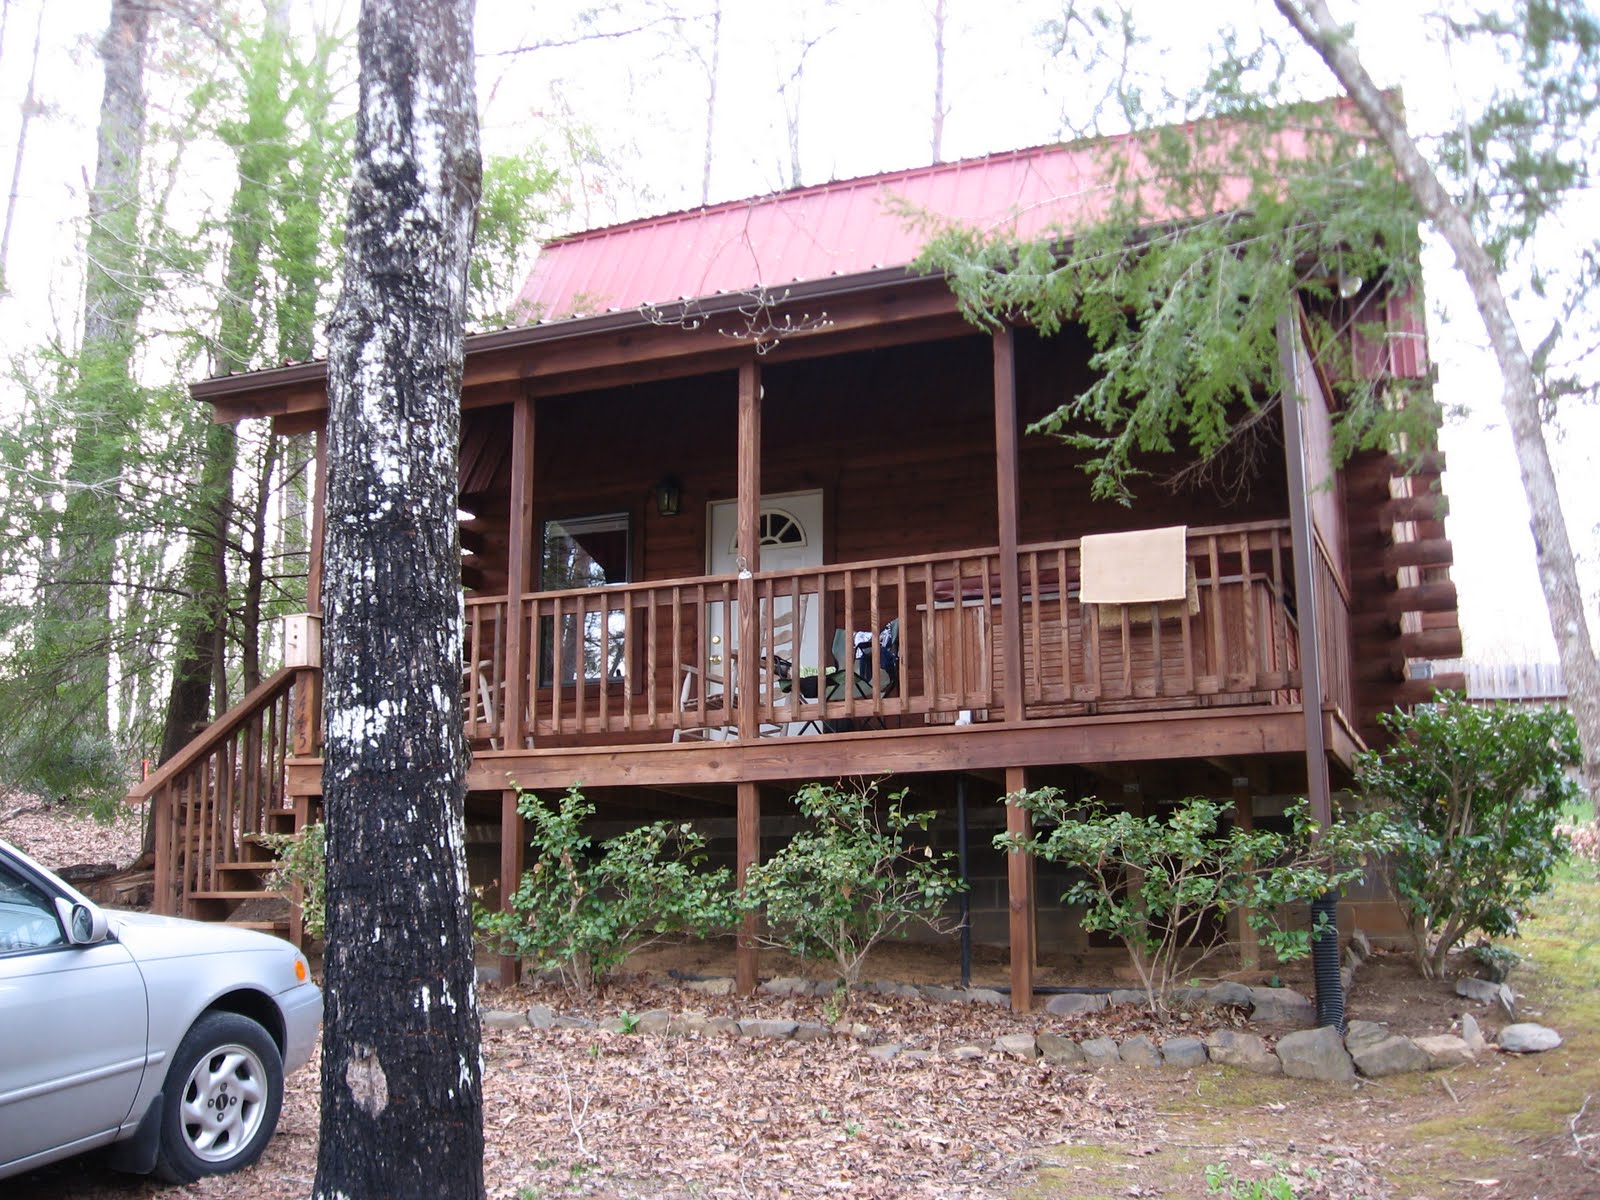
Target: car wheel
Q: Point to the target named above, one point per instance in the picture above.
(221, 1100)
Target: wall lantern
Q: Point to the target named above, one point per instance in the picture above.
(669, 494)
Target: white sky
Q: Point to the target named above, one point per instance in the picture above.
(865, 105)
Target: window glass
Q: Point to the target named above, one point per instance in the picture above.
(584, 552)
(27, 918)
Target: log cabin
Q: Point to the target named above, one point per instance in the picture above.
(747, 503)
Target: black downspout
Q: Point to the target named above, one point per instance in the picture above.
(1325, 963)
(966, 888)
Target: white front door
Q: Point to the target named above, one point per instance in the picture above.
(791, 538)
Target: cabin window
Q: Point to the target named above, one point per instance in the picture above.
(584, 552)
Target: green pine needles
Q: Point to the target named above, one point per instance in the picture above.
(1178, 267)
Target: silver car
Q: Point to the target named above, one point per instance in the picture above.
(167, 1040)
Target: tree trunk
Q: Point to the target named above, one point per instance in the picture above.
(84, 559)
(402, 1103)
(712, 68)
(30, 107)
(939, 15)
(199, 657)
(1519, 389)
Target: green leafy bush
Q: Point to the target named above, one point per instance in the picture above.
(1163, 883)
(1475, 793)
(581, 909)
(842, 886)
(303, 864)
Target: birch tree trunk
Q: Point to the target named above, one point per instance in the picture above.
(1519, 389)
(402, 1102)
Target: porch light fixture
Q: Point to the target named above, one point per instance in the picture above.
(669, 494)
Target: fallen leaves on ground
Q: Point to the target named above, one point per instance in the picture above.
(58, 836)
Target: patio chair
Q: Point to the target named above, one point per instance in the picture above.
(774, 670)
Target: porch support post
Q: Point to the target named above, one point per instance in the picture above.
(308, 686)
(747, 854)
(1304, 548)
(1325, 950)
(1019, 880)
(747, 677)
(319, 497)
(1006, 493)
(511, 839)
(519, 574)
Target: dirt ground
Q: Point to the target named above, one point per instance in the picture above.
(576, 1113)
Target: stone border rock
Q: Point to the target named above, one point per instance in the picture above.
(1367, 1049)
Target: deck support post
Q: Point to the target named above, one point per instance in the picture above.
(1330, 989)
(1019, 883)
(512, 836)
(747, 665)
(307, 716)
(519, 575)
(747, 854)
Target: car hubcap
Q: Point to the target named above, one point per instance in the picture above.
(223, 1102)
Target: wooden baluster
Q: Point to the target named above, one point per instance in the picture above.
(1247, 598)
(1063, 623)
(901, 613)
(1219, 618)
(558, 663)
(1186, 628)
(1280, 611)
(988, 675)
(1126, 643)
(848, 666)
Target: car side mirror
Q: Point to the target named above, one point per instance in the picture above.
(85, 924)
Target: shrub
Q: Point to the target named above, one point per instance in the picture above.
(842, 886)
(1475, 794)
(579, 909)
(1159, 883)
(303, 865)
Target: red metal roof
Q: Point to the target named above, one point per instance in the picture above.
(810, 233)
(846, 227)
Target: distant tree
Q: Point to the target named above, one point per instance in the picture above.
(1536, 143)
(402, 1089)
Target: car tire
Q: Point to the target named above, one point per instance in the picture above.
(221, 1100)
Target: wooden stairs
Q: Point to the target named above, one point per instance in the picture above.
(217, 803)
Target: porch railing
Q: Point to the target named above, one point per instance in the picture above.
(211, 802)
(642, 661)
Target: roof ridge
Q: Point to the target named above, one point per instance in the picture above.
(833, 185)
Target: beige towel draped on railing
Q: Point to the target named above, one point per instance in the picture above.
(1143, 566)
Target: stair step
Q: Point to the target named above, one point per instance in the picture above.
(262, 867)
(226, 894)
(278, 928)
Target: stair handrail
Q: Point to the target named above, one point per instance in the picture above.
(255, 700)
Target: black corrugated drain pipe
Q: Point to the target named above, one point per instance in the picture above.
(1325, 963)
